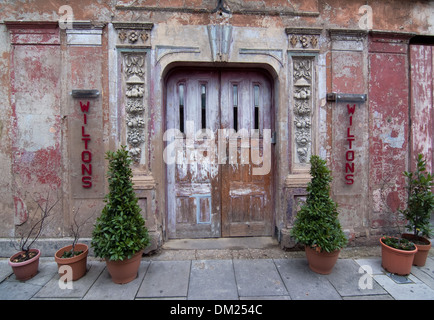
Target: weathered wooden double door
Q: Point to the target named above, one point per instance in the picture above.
(218, 154)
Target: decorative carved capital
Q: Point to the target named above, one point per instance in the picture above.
(133, 35)
(303, 39)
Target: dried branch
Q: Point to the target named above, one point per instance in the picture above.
(75, 227)
(39, 225)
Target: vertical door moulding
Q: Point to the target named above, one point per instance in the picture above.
(302, 108)
(133, 42)
(135, 108)
(303, 46)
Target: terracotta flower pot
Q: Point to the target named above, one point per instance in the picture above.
(396, 261)
(321, 262)
(78, 263)
(126, 270)
(27, 269)
(422, 249)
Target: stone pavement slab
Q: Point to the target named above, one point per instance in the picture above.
(227, 279)
(5, 269)
(419, 287)
(258, 278)
(79, 287)
(212, 280)
(371, 265)
(12, 289)
(166, 279)
(407, 291)
(105, 289)
(348, 281)
(425, 273)
(304, 284)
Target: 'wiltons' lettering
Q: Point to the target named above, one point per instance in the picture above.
(86, 155)
(349, 155)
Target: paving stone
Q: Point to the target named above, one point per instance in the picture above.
(407, 291)
(422, 275)
(348, 281)
(105, 289)
(212, 280)
(267, 281)
(287, 297)
(370, 297)
(371, 265)
(425, 273)
(304, 284)
(166, 279)
(79, 287)
(12, 289)
(5, 269)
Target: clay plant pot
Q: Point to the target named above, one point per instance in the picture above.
(321, 262)
(422, 249)
(78, 263)
(396, 261)
(27, 269)
(126, 270)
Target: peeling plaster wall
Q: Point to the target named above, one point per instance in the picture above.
(36, 124)
(40, 64)
(422, 66)
(7, 200)
(389, 125)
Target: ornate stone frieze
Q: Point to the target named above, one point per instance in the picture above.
(133, 68)
(302, 102)
(134, 65)
(129, 37)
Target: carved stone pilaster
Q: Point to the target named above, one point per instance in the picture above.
(302, 107)
(135, 109)
(131, 36)
(303, 45)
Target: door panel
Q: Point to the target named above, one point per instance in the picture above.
(226, 190)
(193, 180)
(246, 196)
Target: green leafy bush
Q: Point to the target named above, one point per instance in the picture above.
(316, 224)
(398, 243)
(420, 200)
(120, 231)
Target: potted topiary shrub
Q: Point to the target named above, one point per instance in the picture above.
(316, 224)
(420, 204)
(25, 263)
(120, 235)
(74, 255)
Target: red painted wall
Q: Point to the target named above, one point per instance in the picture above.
(388, 124)
(422, 124)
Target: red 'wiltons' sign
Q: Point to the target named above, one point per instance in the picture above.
(86, 155)
(349, 156)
